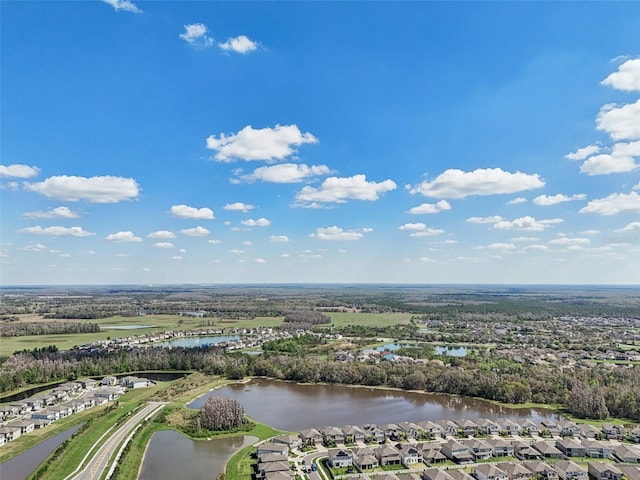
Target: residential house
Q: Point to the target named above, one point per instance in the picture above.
(630, 472)
(542, 470)
(448, 427)
(392, 431)
(589, 431)
(410, 430)
(87, 383)
(457, 452)
(264, 469)
(597, 449)
(364, 458)
(109, 381)
(41, 423)
(570, 447)
(528, 426)
(20, 407)
(459, 474)
(385, 476)
(500, 447)
(290, 440)
(515, 471)
(603, 471)
(431, 454)
(47, 415)
(613, 431)
(569, 470)
(271, 447)
(332, 435)
(436, 474)
(110, 393)
(488, 427)
(272, 457)
(310, 437)
(508, 426)
(339, 458)
(527, 452)
(7, 411)
(388, 455)
(431, 429)
(488, 471)
(353, 433)
(635, 434)
(35, 403)
(568, 428)
(26, 425)
(550, 426)
(467, 427)
(626, 454)
(373, 433)
(10, 433)
(3, 439)
(409, 454)
(547, 450)
(480, 449)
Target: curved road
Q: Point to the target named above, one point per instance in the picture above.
(99, 461)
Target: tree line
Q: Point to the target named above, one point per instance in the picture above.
(16, 329)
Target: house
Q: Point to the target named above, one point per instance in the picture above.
(629, 471)
(134, 382)
(109, 381)
(339, 458)
(280, 475)
(436, 474)
(63, 410)
(542, 470)
(500, 447)
(87, 383)
(25, 425)
(547, 450)
(589, 431)
(448, 427)
(508, 426)
(431, 454)
(41, 423)
(47, 415)
(570, 447)
(568, 428)
(627, 455)
(480, 449)
(7, 411)
(365, 459)
(603, 471)
(568, 470)
(10, 433)
(635, 435)
(77, 405)
(3, 439)
(528, 426)
(430, 429)
(457, 452)
(613, 431)
(409, 454)
(596, 449)
(290, 440)
(392, 431)
(467, 427)
(385, 476)
(515, 471)
(459, 474)
(488, 471)
(410, 429)
(387, 455)
(110, 393)
(35, 403)
(353, 433)
(310, 437)
(332, 435)
(488, 427)
(527, 452)
(271, 447)
(550, 426)
(373, 433)
(264, 469)
(272, 457)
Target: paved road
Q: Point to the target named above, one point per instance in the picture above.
(100, 459)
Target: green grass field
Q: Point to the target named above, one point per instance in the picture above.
(341, 319)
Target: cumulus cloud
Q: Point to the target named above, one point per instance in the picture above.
(335, 233)
(455, 183)
(541, 248)
(240, 44)
(546, 200)
(420, 230)
(627, 78)
(279, 238)
(260, 222)
(339, 190)
(101, 189)
(214, 241)
(584, 152)
(18, 170)
(37, 247)
(426, 208)
(517, 200)
(195, 35)
(58, 212)
(286, 173)
(629, 227)
(124, 5)
(260, 260)
(163, 245)
(501, 246)
(239, 207)
(614, 204)
(270, 144)
(605, 164)
(525, 239)
(127, 236)
(621, 123)
(195, 232)
(492, 219)
(162, 234)
(566, 241)
(185, 211)
(57, 231)
(526, 223)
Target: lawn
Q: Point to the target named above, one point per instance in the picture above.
(340, 319)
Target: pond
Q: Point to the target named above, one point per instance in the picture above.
(191, 342)
(171, 455)
(451, 351)
(294, 407)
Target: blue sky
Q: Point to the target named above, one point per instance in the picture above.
(268, 142)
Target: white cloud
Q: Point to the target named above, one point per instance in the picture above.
(420, 230)
(18, 171)
(57, 231)
(335, 233)
(493, 219)
(163, 245)
(501, 246)
(102, 189)
(162, 234)
(260, 222)
(240, 44)
(605, 164)
(526, 223)
(196, 35)
(185, 211)
(58, 212)
(542, 248)
(517, 200)
(620, 122)
(335, 189)
(124, 5)
(546, 200)
(614, 204)
(584, 152)
(630, 227)
(455, 183)
(235, 251)
(37, 247)
(627, 78)
(279, 238)
(525, 239)
(214, 242)
(259, 144)
(286, 173)
(239, 206)
(426, 208)
(565, 241)
(127, 236)
(177, 257)
(260, 260)
(426, 260)
(195, 232)
(590, 232)
(247, 243)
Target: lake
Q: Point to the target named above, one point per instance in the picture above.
(191, 342)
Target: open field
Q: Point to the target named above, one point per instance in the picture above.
(341, 319)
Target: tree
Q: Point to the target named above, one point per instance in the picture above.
(221, 413)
